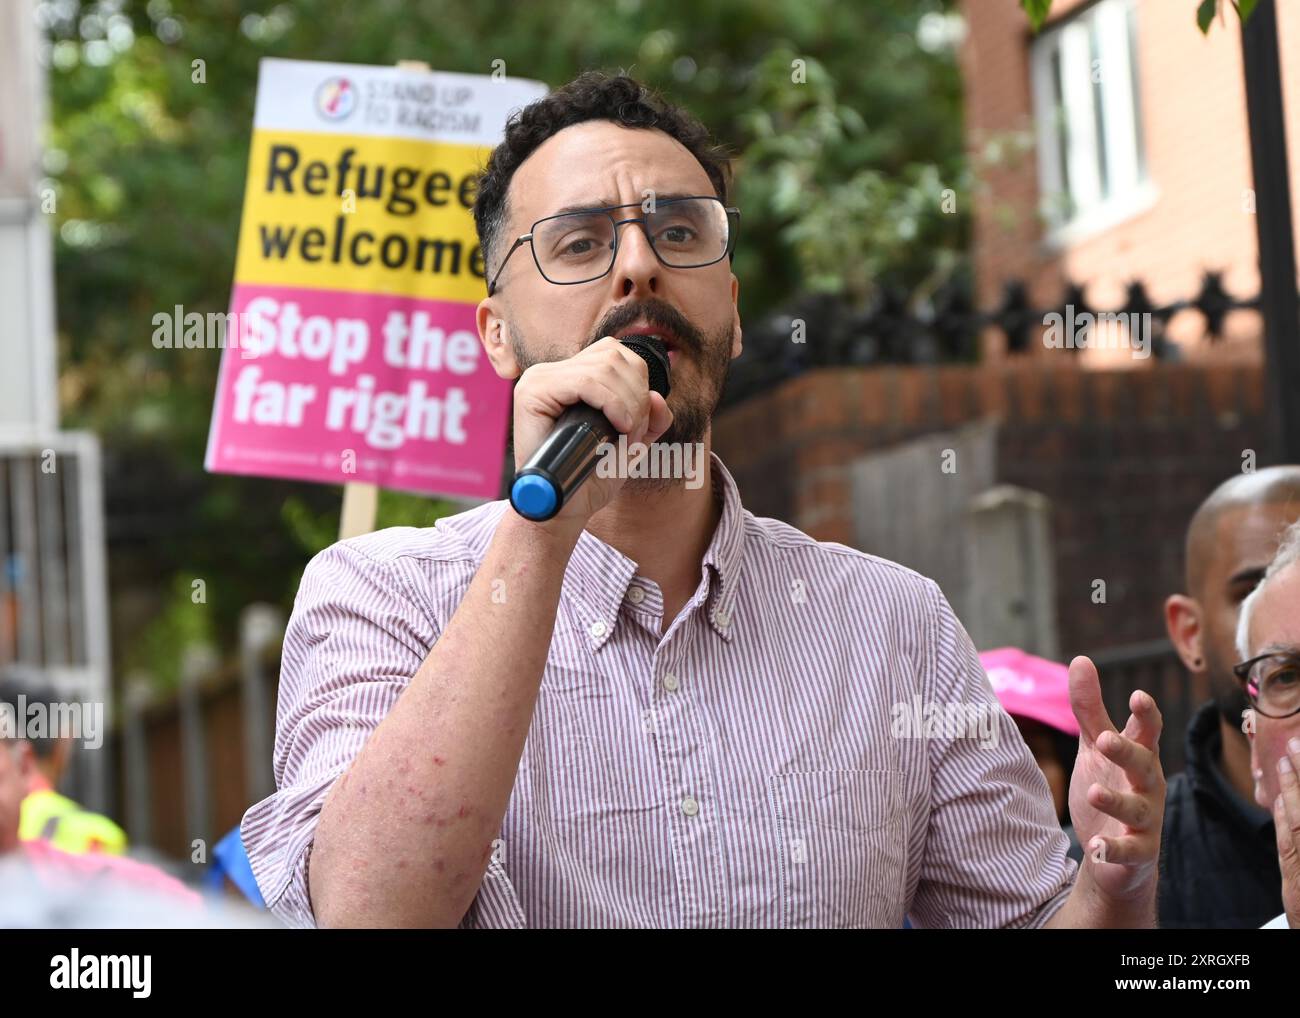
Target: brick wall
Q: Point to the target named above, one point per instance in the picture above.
(1125, 457)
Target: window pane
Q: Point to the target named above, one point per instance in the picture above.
(1062, 138)
(1135, 96)
(1097, 68)
(1085, 91)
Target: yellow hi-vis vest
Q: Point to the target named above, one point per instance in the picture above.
(57, 819)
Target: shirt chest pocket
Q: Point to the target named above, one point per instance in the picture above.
(842, 845)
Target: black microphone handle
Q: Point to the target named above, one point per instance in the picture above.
(570, 452)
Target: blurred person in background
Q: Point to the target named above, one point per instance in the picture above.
(46, 814)
(1268, 639)
(36, 876)
(1036, 693)
(1219, 858)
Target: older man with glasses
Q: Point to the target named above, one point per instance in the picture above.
(1268, 636)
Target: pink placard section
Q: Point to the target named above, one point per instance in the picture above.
(331, 386)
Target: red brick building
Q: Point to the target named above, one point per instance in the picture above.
(1113, 146)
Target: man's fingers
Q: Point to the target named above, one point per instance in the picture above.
(1145, 723)
(1137, 762)
(1085, 699)
(1288, 843)
(1128, 808)
(660, 418)
(1286, 808)
(626, 374)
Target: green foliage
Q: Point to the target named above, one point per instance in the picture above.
(1037, 11)
(315, 530)
(815, 178)
(1205, 11)
(1205, 14)
(181, 623)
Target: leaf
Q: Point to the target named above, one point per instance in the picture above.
(1037, 11)
(1205, 15)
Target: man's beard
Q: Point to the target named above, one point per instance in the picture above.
(1228, 695)
(692, 402)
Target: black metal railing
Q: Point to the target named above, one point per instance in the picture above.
(944, 327)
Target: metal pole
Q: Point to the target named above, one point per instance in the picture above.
(198, 662)
(260, 626)
(95, 596)
(1277, 266)
(135, 752)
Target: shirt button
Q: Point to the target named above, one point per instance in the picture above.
(723, 618)
(671, 682)
(635, 594)
(597, 628)
(689, 806)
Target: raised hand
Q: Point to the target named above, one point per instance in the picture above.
(1286, 819)
(1117, 792)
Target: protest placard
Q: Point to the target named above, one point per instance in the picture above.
(351, 353)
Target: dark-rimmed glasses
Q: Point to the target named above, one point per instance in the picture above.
(1272, 682)
(580, 246)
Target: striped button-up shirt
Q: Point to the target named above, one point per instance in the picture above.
(811, 743)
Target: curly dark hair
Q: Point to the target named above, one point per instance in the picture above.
(592, 95)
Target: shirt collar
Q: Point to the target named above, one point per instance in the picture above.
(598, 575)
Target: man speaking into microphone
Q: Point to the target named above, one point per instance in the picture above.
(653, 709)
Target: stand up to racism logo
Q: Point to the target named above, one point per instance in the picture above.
(336, 98)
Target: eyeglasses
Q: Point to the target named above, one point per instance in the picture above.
(578, 247)
(1272, 682)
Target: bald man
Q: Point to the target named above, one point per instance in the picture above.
(1219, 863)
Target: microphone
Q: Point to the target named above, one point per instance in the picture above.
(569, 454)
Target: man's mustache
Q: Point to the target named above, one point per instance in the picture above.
(661, 315)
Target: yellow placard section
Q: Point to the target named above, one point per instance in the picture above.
(375, 215)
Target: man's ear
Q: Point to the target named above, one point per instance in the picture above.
(1183, 622)
(494, 334)
(27, 766)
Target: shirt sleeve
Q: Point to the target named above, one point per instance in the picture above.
(995, 854)
(353, 642)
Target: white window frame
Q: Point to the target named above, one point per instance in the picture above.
(1131, 190)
